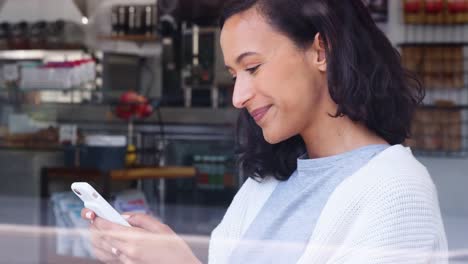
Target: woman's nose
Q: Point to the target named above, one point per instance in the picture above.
(243, 92)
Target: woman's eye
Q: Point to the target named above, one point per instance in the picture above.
(234, 78)
(253, 69)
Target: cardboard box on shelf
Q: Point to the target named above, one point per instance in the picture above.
(413, 11)
(437, 129)
(435, 12)
(459, 10)
(425, 131)
(438, 66)
(443, 67)
(413, 58)
(450, 126)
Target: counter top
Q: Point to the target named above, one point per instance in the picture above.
(76, 113)
(29, 148)
(22, 227)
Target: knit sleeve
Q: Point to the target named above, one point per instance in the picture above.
(400, 224)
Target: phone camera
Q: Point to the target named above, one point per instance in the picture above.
(76, 191)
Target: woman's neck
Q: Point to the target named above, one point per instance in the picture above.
(333, 136)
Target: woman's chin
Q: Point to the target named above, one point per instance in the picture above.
(271, 138)
(277, 134)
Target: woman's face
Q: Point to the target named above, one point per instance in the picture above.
(283, 87)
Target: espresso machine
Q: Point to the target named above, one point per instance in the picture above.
(204, 78)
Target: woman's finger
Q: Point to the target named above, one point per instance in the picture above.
(87, 214)
(126, 260)
(124, 248)
(98, 243)
(124, 238)
(131, 248)
(105, 256)
(103, 252)
(104, 225)
(101, 248)
(148, 223)
(110, 231)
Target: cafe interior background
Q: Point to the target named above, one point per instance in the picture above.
(133, 97)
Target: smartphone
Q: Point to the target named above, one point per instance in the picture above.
(94, 201)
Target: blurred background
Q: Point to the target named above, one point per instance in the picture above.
(133, 97)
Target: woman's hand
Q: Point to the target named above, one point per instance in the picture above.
(147, 241)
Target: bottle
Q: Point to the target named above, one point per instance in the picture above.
(131, 20)
(149, 25)
(115, 21)
(122, 20)
(210, 170)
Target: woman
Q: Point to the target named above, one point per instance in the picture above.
(325, 106)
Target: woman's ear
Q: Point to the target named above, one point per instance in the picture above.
(319, 49)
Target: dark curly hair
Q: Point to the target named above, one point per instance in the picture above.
(365, 77)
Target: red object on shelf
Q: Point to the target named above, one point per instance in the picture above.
(203, 179)
(144, 110)
(434, 6)
(458, 6)
(131, 105)
(413, 6)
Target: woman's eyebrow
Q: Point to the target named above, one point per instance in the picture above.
(241, 57)
(245, 54)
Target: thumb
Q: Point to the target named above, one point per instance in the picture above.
(148, 223)
(87, 214)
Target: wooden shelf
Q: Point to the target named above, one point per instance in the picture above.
(135, 38)
(153, 173)
(105, 178)
(125, 174)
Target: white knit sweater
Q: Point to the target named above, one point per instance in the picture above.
(387, 212)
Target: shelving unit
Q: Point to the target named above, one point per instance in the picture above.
(434, 46)
(132, 38)
(142, 45)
